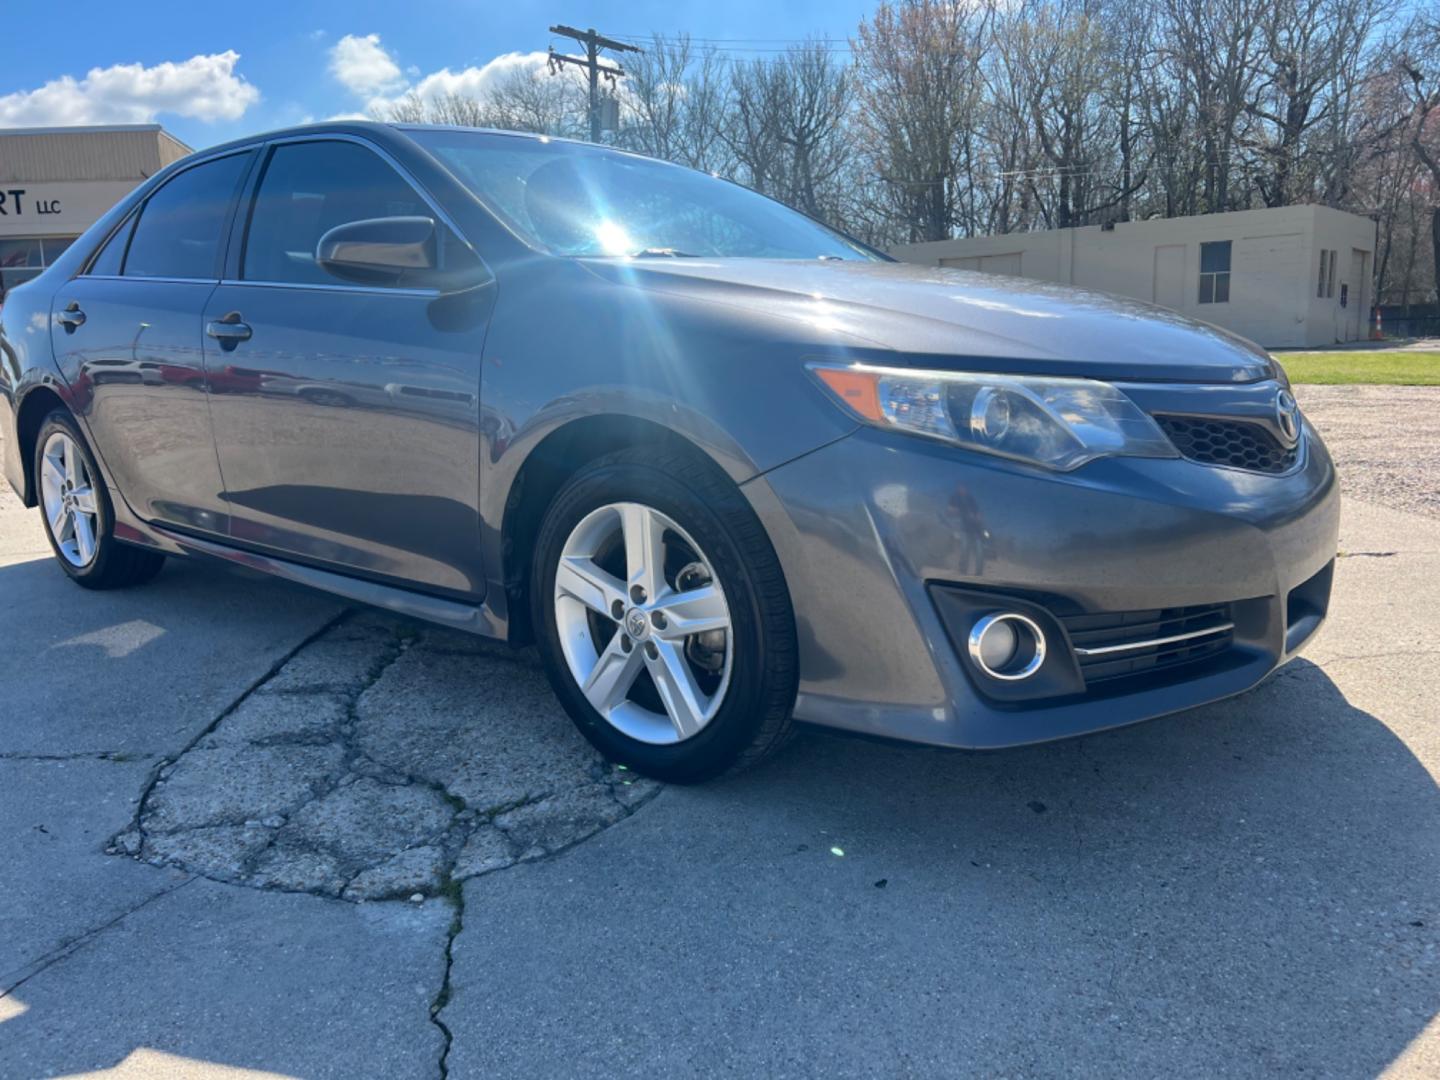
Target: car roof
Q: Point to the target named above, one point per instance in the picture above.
(392, 132)
(381, 127)
(339, 127)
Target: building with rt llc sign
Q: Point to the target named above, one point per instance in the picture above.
(55, 182)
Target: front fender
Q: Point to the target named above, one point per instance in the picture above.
(566, 346)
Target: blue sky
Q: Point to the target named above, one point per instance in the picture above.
(212, 71)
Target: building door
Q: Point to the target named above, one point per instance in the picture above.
(962, 262)
(1169, 287)
(1005, 263)
(1354, 288)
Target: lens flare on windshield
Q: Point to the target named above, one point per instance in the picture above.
(613, 239)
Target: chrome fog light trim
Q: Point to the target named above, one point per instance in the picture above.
(1023, 660)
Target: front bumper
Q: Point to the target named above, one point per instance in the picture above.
(871, 528)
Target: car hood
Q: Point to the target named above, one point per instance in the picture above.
(956, 319)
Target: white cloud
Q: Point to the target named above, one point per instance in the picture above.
(471, 82)
(203, 88)
(475, 81)
(363, 67)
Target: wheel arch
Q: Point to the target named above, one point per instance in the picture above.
(35, 406)
(547, 467)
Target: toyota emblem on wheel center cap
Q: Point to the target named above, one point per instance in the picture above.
(1287, 416)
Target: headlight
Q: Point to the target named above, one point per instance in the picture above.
(1281, 376)
(1058, 423)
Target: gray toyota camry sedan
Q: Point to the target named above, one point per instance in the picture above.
(726, 468)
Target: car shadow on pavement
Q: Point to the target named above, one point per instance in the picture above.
(1244, 889)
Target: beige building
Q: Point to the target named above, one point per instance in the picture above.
(1284, 277)
(55, 182)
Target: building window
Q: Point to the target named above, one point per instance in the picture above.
(1215, 272)
(1330, 279)
(23, 259)
(1324, 266)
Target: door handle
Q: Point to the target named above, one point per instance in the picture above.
(228, 330)
(71, 317)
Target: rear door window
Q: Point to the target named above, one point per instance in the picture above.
(112, 256)
(308, 188)
(180, 227)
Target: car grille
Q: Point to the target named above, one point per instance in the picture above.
(1103, 643)
(1240, 444)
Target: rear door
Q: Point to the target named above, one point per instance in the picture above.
(127, 335)
(346, 416)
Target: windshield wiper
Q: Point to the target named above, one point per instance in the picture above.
(662, 253)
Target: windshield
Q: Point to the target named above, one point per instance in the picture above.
(575, 199)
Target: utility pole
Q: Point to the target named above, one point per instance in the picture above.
(593, 43)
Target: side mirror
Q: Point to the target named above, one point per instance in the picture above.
(378, 251)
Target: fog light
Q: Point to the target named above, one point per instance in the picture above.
(1007, 645)
(997, 646)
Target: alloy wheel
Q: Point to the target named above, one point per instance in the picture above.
(643, 623)
(68, 494)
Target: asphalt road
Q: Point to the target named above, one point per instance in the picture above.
(209, 785)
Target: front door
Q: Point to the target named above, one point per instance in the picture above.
(1355, 315)
(346, 417)
(127, 335)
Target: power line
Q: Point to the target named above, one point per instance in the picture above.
(651, 35)
(729, 46)
(648, 35)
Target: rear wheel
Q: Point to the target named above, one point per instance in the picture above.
(76, 510)
(664, 620)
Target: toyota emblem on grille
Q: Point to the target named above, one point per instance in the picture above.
(1287, 416)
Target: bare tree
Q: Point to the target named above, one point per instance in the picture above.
(1385, 177)
(751, 130)
(1007, 158)
(675, 99)
(959, 117)
(523, 100)
(459, 109)
(1070, 79)
(1128, 29)
(1208, 48)
(1421, 66)
(919, 65)
(1308, 63)
(786, 125)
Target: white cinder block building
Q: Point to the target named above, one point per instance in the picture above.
(1292, 276)
(55, 183)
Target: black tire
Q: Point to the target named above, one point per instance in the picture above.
(115, 565)
(753, 718)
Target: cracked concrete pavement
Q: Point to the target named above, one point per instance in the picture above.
(345, 774)
(248, 831)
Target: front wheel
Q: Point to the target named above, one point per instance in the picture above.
(79, 522)
(663, 617)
